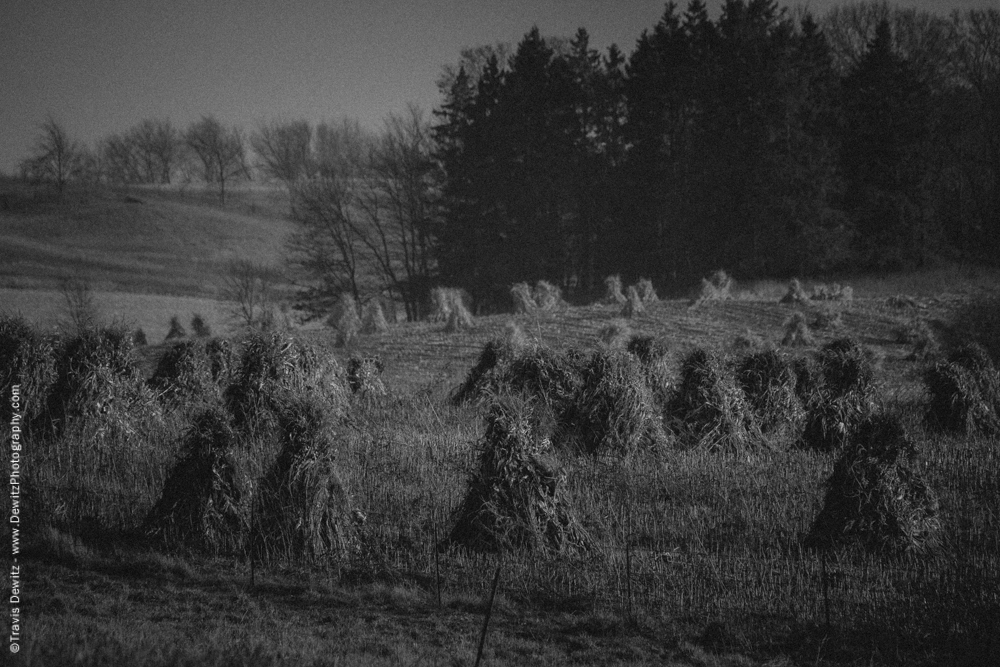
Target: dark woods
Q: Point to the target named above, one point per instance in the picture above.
(764, 142)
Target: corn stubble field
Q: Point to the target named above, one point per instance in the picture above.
(768, 476)
(675, 488)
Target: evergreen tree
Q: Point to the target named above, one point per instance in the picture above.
(885, 122)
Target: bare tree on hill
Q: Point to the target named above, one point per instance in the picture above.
(57, 157)
(284, 150)
(222, 152)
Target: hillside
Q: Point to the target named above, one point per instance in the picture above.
(150, 241)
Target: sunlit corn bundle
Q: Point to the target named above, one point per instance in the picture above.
(717, 287)
(616, 411)
(302, 511)
(514, 499)
(205, 498)
(374, 321)
(876, 496)
(459, 317)
(547, 297)
(845, 395)
(364, 376)
(272, 366)
(441, 304)
(647, 293)
(193, 370)
(524, 302)
(448, 304)
(652, 354)
(797, 331)
(965, 393)
(834, 292)
(768, 380)
(27, 359)
(795, 294)
(633, 304)
(346, 320)
(613, 293)
(708, 409)
(98, 382)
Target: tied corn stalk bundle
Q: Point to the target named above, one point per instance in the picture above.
(652, 355)
(546, 296)
(796, 294)
(176, 329)
(203, 505)
(834, 292)
(303, 511)
(633, 305)
(708, 409)
(374, 321)
(613, 294)
(616, 412)
(194, 370)
(506, 367)
(345, 320)
(769, 380)
(965, 393)
(524, 301)
(97, 381)
(797, 332)
(647, 293)
(274, 366)
(27, 359)
(514, 500)
(717, 287)
(843, 393)
(876, 496)
(364, 376)
(448, 304)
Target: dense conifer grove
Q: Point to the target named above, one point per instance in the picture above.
(767, 142)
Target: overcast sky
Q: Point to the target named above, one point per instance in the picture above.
(100, 66)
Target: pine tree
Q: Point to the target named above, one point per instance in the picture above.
(885, 122)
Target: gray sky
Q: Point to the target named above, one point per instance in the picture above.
(100, 66)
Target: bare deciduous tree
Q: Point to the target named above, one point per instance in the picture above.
(326, 247)
(399, 181)
(120, 162)
(252, 287)
(157, 146)
(57, 157)
(221, 152)
(366, 214)
(284, 149)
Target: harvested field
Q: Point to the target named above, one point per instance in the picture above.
(659, 542)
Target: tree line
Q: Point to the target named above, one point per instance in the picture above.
(766, 142)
